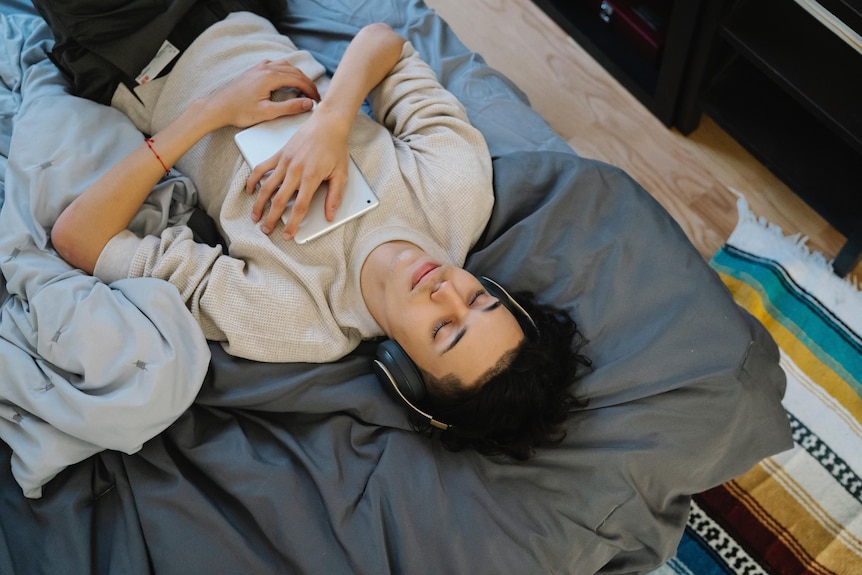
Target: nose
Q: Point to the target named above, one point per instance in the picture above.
(445, 293)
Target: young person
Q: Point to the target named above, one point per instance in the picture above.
(396, 271)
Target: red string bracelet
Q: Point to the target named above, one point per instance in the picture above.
(150, 143)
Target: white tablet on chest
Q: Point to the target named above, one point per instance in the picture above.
(259, 142)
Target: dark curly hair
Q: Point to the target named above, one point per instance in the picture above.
(526, 398)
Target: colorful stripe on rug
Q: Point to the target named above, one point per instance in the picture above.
(799, 511)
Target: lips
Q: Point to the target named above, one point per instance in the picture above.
(422, 272)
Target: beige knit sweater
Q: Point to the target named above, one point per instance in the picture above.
(271, 300)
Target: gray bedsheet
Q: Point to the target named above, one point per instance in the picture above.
(314, 469)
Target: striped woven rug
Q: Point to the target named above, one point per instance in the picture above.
(799, 511)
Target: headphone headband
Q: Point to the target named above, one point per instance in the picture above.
(528, 325)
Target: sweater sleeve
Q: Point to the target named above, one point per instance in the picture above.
(412, 104)
(176, 257)
(444, 159)
(258, 309)
(113, 262)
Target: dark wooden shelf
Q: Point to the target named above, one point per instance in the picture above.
(776, 79)
(585, 27)
(790, 91)
(789, 140)
(803, 58)
(655, 84)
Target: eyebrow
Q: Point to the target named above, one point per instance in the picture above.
(463, 331)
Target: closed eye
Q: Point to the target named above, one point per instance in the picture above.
(440, 326)
(476, 296)
(495, 303)
(444, 323)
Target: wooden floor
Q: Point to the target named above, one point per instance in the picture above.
(691, 176)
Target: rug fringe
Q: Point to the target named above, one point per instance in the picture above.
(810, 269)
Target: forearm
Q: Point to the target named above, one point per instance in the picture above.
(107, 207)
(109, 204)
(370, 56)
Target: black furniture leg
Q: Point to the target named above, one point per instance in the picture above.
(849, 255)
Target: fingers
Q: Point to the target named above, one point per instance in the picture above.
(334, 194)
(300, 207)
(287, 107)
(267, 182)
(276, 190)
(279, 199)
(258, 174)
(283, 74)
(333, 188)
(278, 206)
(258, 94)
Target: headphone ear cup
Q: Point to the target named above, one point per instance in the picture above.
(403, 373)
(394, 368)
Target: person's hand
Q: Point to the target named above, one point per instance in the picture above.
(317, 153)
(246, 100)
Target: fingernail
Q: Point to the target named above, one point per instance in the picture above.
(307, 104)
(265, 230)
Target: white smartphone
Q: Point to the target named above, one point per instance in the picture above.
(259, 142)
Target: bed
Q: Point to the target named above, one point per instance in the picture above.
(131, 445)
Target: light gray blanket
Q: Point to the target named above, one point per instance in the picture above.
(83, 366)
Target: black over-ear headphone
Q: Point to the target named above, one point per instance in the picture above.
(395, 368)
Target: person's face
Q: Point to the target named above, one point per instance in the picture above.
(443, 318)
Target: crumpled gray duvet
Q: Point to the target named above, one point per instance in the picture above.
(83, 365)
(155, 452)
